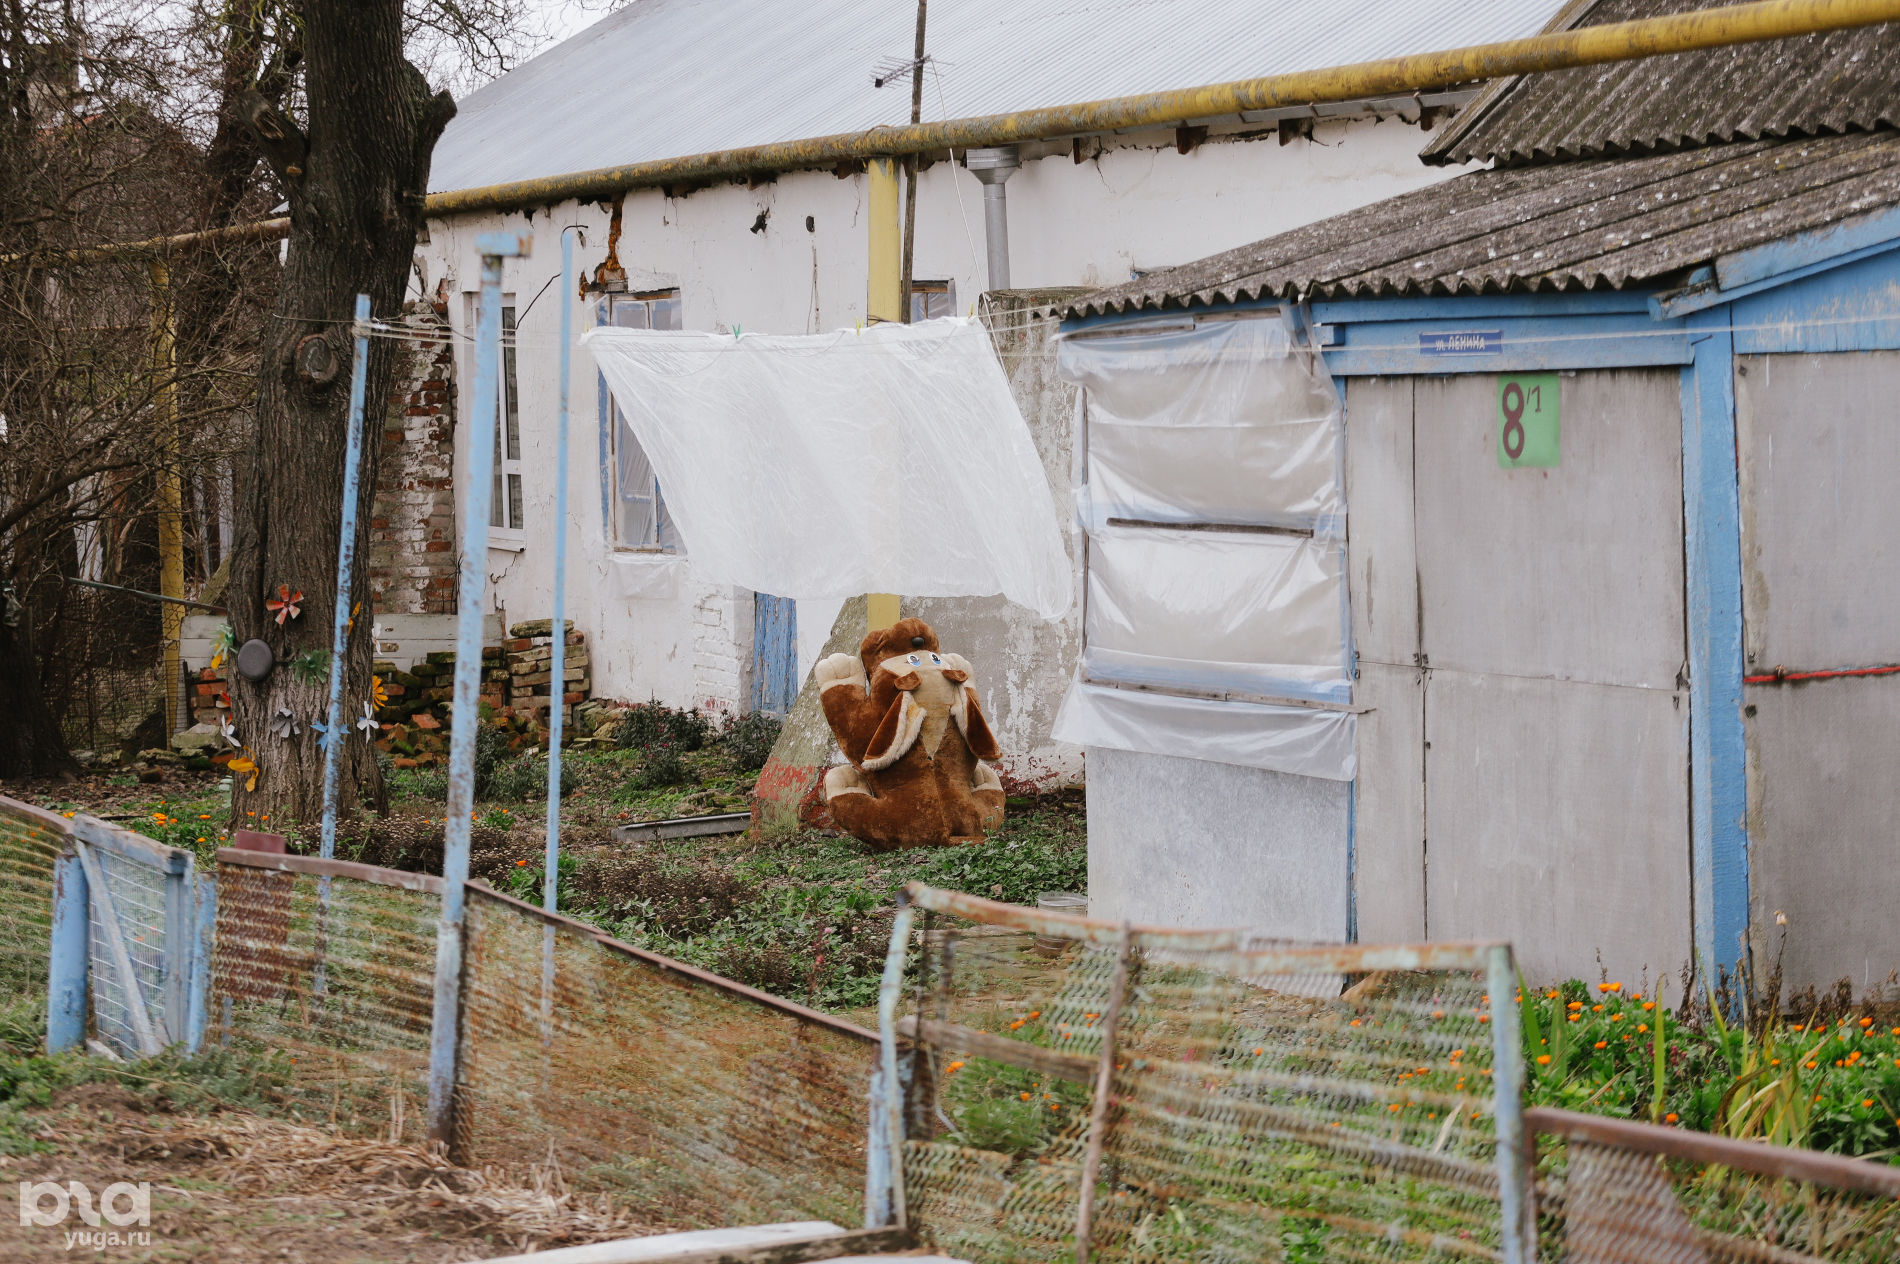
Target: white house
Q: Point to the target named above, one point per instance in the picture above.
(790, 251)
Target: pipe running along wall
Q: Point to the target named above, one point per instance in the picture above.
(1393, 76)
(1618, 41)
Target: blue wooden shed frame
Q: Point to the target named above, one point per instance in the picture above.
(1827, 290)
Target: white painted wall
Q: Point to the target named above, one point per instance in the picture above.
(655, 628)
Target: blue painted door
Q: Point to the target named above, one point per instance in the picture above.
(774, 653)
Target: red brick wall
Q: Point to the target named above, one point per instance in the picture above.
(412, 521)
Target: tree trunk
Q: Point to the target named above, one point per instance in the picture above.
(356, 185)
(31, 744)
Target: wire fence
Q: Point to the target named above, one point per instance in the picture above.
(1610, 1190)
(1251, 1111)
(698, 1101)
(30, 844)
(331, 966)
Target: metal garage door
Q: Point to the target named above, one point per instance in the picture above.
(1819, 453)
(1525, 771)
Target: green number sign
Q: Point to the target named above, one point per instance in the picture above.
(1527, 420)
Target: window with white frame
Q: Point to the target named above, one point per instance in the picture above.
(931, 299)
(637, 519)
(506, 512)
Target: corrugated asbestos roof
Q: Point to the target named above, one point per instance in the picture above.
(1817, 85)
(1575, 225)
(671, 78)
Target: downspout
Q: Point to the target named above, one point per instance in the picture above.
(992, 167)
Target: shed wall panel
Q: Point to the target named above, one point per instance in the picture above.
(1389, 836)
(1822, 805)
(1558, 821)
(1819, 464)
(1188, 842)
(1572, 572)
(1382, 558)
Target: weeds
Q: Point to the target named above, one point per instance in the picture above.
(647, 724)
(749, 739)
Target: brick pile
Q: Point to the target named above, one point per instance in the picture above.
(205, 688)
(530, 683)
(516, 690)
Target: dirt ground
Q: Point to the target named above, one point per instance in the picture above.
(238, 1187)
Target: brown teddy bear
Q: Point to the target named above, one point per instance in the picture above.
(906, 717)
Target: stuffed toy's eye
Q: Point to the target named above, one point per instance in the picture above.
(938, 661)
(912, 659)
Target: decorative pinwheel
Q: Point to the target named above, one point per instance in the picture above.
(368, 723)
(286, 604)
(325, 738)
(229, 731)
(284, 724)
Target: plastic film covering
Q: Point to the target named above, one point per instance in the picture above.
(1303, 741)
(1252, 1114)
(1607, 1202)
(30, 843)
(696, 1101)
(1213, 500)
(341, 985)
(1198, 608)
(891, 459)
(1227, 421)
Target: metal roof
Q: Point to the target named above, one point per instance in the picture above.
(1574, 225)
(1815, 85)
(671, 78)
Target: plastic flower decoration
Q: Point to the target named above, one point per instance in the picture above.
(223, 645)
(229, 731)
(286, 604)
(368, 723)
(378, 694)
(325, 738)
(284, 724)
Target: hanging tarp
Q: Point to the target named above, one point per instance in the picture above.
(827, 465)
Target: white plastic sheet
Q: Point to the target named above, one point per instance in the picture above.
(1305, 742)
(888, 460)
(1214, 502)
(1230, 610)
(1225, 422)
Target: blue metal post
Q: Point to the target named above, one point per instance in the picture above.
(557, 679)
(71, 955)
(1718, 753)
(345, 568)
(884, 1151)
(1516, 1211)
(445, 1029)
(204, 929)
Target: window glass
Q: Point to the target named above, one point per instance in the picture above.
(506, 494)
(932, 299)
(636, 514)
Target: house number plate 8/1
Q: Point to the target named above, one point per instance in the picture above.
(1527, 420)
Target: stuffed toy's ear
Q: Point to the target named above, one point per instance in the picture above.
(956, 668)
(896, 734)
(975, 729)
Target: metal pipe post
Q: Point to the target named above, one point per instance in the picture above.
(992, 167)
(884, 1165)
(1507, 1082)
(557, 628)
(445, 1025)
(345, 574)
(67, 977)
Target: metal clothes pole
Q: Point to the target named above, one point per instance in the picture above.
(558, 625)
(445, 1024)
(335, 732)
(345, 574)
(557, 628)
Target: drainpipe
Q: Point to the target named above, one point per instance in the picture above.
(993, 167)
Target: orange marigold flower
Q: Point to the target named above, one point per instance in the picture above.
(1574, 1005)
(1438, 1013)
(955, 1066)
(1652, 1005)
(1603, 1044)
(1025, 1097)
(1866, 1101)
(1866, 1022)
(1484, 1018)
(1670, 1118)
(1812, 1064)
(1258, 1052)
(1543, 1059)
